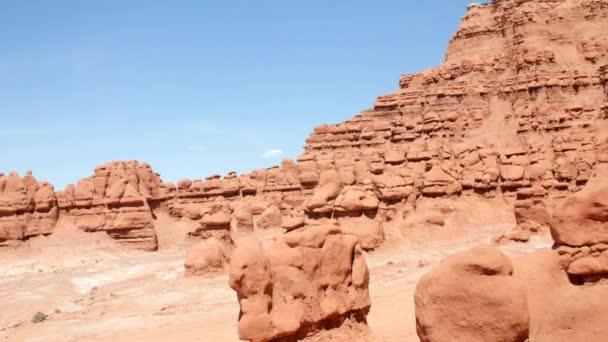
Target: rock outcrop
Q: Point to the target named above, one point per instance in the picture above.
(518, 110)
(27, 208)
(116, 200)
(307, 281)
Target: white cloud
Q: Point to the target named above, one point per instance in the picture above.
(273, 154)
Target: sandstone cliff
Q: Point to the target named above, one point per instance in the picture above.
(518, 110)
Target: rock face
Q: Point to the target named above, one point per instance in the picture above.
(518, 110)
(27, 208)
(115, 200)
(472, 296)
(308, 280)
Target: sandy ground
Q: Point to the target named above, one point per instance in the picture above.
(92, 290)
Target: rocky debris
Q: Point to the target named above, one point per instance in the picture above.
(308, 280)
(208, 256)
(472, 296)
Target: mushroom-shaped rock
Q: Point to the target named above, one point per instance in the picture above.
(472, 296)
(216, 220)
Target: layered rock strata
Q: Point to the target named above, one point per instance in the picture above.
(116, 200)
(518, 110)
(27, 208)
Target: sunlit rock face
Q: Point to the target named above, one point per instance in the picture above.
(518, 111)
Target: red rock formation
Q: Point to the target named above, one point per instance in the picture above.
(472, 296)
(27, 208)
(306, 281)
(564, 287)
(580, 229)
(517, 110)
(116, 200)
(577, 317)
(208, 256)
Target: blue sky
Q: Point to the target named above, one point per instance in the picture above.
(197, 87)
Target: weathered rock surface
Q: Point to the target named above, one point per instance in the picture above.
(116, 199)
(472, 296)
(579, 316)
(27, 208)
(563, 287)
(582, 218)
(518, 110)
(308, 280)
(208, 256)
(580, 229)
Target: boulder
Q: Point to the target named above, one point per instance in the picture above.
(270, 218)
(207, 256)
(472, 296)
